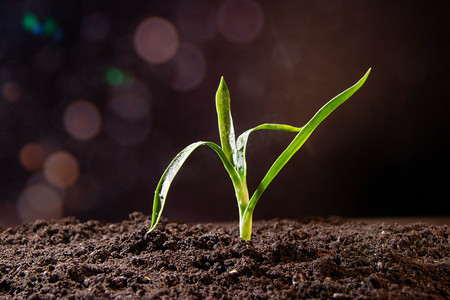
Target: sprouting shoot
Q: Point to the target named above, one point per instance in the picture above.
(232, 154)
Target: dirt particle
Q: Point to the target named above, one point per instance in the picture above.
(341, 296)
(98, 256)
(117, 282)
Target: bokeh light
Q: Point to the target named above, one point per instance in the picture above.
(127, 118)
(31, 23)
(38, 178)
(82, 120)
(115, 91)
(131, 102)
(240, 20)
(32, 156)
(47, 28)
(11, 91)
(156, 40)
(61, 169)
(196, 19)
(114, 76)
(39, 201)
(189, 68)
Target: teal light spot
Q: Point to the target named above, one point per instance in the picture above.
(114, 76)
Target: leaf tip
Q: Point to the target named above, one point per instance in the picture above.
(222, 91)
(222, 84)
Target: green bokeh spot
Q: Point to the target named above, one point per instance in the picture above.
(30, 22)
(114, 76)
(49, 27)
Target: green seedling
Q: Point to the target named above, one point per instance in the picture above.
(232, 154)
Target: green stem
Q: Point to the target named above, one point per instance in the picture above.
(245, 226)
(245, 223)
(242, 196)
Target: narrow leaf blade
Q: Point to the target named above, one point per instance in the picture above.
(300, 139)
(226, 128)
(241, 144)
(169, 174)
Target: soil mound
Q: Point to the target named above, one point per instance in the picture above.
(286, 259)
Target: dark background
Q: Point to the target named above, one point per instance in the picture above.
(385, 152)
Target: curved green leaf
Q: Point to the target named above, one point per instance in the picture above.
(300, 139)
(169, 174)
(241, 147)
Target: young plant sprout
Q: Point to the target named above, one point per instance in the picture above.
(232, 154)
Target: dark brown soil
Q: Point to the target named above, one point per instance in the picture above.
(311, 258)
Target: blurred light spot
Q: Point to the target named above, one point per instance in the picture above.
(82, 120)
(197, 19)
(32, 156)
(49, 27)
(114, 76)
(61, 169)
(11, 91)
(286, 54)
(131, 103)
(156, 40)
(39, 202)
(240, 20)
(95, 26)
(30, 23)
(39, 178)
(189, 68)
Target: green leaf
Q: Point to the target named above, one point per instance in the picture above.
(226, 128)
(241, 164)
(166, 179)
(300, 139)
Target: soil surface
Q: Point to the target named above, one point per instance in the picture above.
(310, 258)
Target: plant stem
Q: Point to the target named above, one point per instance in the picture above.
(242, 195)
(245, 222)
(245, 226)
